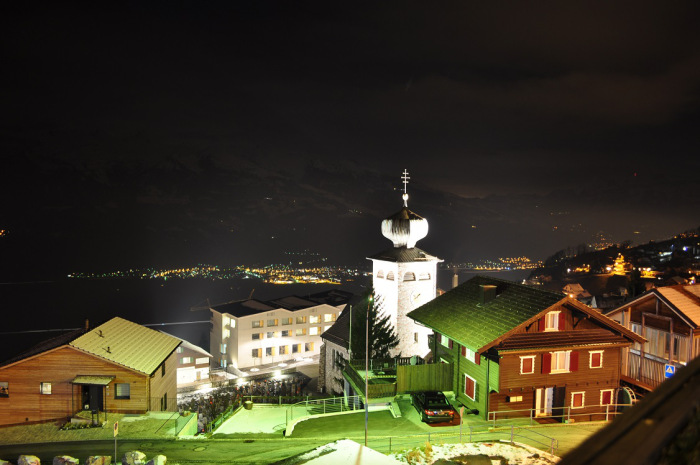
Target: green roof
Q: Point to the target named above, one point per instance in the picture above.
(460, 315)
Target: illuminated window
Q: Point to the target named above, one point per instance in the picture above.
(390, 276)
(4, 389)
(270, 334)
(409, 276)
(180, 349)
(469, 387)
(301, 319)
(527, 364)
(233, 323)
(226, 321)
(223, 348)
(326, 328)
(380, 274)
(313, 319)
(257, 353)
(595, 359)
(122, 391)
(578, 399)
(515, 398)
(300, 332)
(313, 331)
(328, 317)
(287, 321)
(226, 333)
(606, 397)
(45, 388)
(551, 321)
(257, 324)
(269, 351)
(272, 322)
(560, 362)
(296, 348)
(185, 360)
(284, 350)
(257, 336)
(424, 276)
(309, 347)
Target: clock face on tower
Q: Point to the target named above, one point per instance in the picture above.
(416, 299)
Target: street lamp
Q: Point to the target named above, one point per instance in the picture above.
(369, 302)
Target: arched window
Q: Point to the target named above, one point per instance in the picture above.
(409, 276)
(424, 276)
(390, 276)
(380, 274)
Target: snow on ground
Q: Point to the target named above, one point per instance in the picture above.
(516, 454)
(342, 452)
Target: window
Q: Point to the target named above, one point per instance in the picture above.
(226, 321)
(270, 334)
(256, 336)
(45, 388)
(272, 322)
(269, 351)
(551, 321)
(300, 332)
(309, 347)
(122, 391)
(578, 399)
(327, 327)
(515, 398)
(329, 317)
(470, 387)
(471, 355)
(223, 348)
(201, 360)
(257, 353)
(223, 362)
(560, 361)
(4, 389)
(233, 323)
(185, 360)
(296, 348)
(595, 359)
(180, 349)
(314, 319)
(258, 324)
(444, 340)
(301, 320)
(527, 364)
(287, 321)
(606, 396)
(226, 333)
(408, 276)
(424, 276)
(313, 331)
(284, 350)
(162, 367)
(285, 333)
(415, 337)
(380, 274)
(390, 276)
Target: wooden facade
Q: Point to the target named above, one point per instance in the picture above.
(59, 367)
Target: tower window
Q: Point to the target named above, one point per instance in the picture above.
(390, 276)
(380, 274)
(409, 276)
(424, 276)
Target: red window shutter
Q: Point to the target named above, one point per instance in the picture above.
(573, 361)
(477, 358)
(449, 343)
(464, 351)
(542, 323)
(527, 365)
(562, 318)
(546, 363)
(469, 387)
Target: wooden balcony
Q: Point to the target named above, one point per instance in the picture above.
(649, 376)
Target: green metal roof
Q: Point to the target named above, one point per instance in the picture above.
(129, 344)
(99, 380)
(460, 315)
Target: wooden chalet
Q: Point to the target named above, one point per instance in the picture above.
(519, 351)
(669, 318)
(118, 366)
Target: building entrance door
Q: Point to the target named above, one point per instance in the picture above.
(92, 397)
(544, 400)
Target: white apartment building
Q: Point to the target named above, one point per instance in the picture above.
(250, 333)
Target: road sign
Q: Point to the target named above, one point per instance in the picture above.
(116, 428)
(669, 370)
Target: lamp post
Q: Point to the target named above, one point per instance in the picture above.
(369, 302)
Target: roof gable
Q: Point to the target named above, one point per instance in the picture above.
(128, 344)
(460, 315)
(682, 299)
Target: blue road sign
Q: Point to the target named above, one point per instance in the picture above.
(669, 370)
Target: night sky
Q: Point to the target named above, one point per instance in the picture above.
(171, 133)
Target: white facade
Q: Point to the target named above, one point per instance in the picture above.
(333, 373)
(270, 336)
(401, 287)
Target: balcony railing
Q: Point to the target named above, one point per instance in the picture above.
(652, 371)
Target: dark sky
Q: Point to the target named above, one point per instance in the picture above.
(137, 133)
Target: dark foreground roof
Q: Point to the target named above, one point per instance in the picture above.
(460, 315)
(661, 429)
(45, 346)
(561, 339)
(404, 254)
(241, 308)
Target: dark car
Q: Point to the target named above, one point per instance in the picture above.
(433, 406)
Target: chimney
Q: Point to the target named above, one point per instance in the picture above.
(487, 293)
(87, 324)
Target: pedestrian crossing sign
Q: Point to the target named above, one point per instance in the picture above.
(669, 370)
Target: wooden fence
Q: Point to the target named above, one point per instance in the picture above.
(431, 377)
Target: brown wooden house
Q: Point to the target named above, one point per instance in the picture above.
(522, 351)
(118, 366)
(669, 318)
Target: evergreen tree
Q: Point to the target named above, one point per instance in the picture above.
(382, 335)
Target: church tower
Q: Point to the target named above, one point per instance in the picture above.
(405, 277)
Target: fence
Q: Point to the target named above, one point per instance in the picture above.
(324, 406)
(467, 434)
(593, 412)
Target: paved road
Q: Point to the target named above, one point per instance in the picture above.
(183, 452)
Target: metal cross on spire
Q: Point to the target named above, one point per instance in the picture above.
(405, 178)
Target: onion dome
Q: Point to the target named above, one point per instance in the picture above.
(404, 228)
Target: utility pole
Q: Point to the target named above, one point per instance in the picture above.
(369, 302)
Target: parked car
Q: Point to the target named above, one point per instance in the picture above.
(433, 406)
